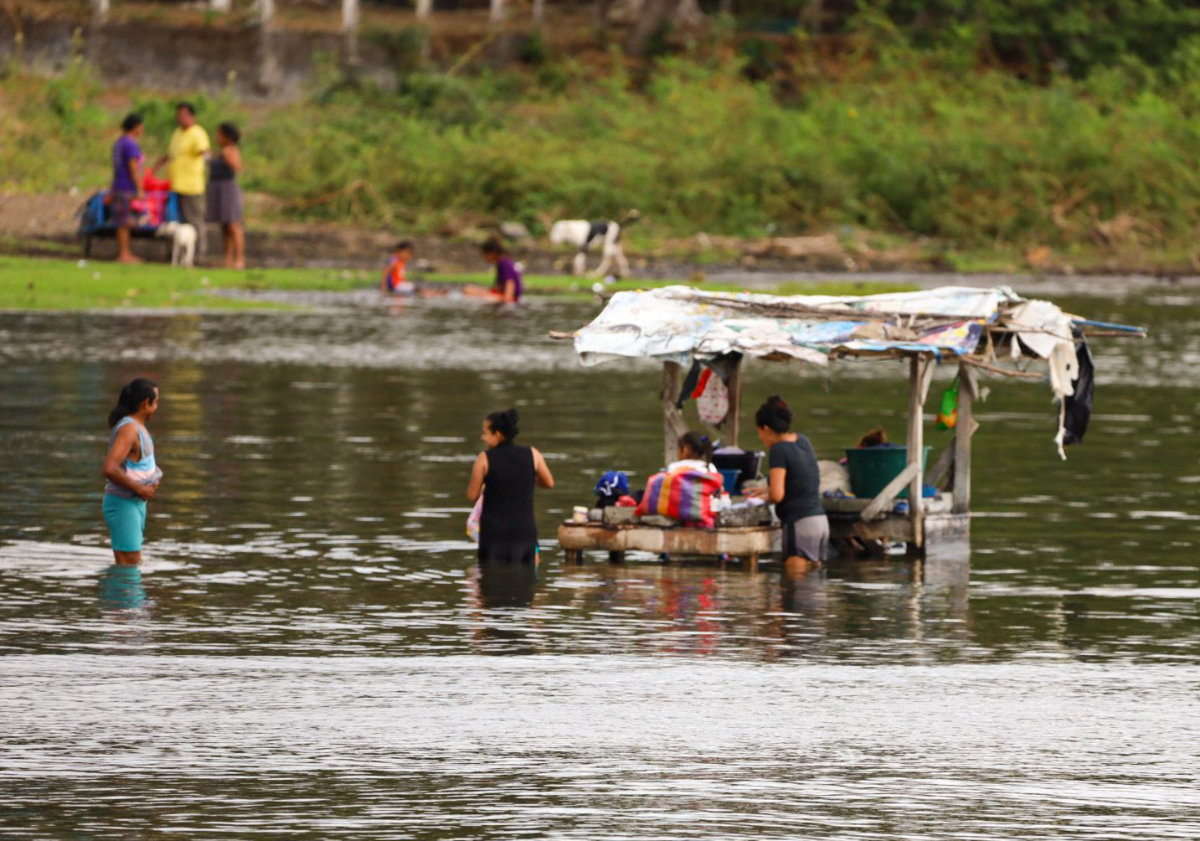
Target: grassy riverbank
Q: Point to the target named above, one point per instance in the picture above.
(926, 149)
(46, 284)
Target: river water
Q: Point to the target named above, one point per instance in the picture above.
(310, 651)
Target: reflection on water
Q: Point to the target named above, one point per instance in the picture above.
(121, 588)
(322, 657)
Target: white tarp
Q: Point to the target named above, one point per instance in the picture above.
(677, 323)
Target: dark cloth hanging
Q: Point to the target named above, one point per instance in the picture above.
(689, 384)
(1078, 407)
(723, 366)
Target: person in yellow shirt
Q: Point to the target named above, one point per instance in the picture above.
(188, 159)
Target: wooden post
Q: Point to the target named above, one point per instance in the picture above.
(219, 6)
(496, 15)
(735, 404)
(269, 75)
(916, 444)
(424, 9)
(350, 16)
(539, 12)
(673, 425)
(99, 11)
(963, 430)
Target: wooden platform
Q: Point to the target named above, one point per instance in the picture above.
(946, 534)
(747, 543)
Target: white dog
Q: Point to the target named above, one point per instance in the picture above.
(183, 242)
(584, 234)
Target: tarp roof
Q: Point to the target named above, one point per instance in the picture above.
(678, 323)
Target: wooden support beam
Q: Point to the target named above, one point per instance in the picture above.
(941, 467)
(349, 15)
(887, 496)
(99, 11)
(539, 12)
(963, 430)
(673, 424)
(496, 15)
(266, 12)
(918, 383)
(733, 424)
(219, 6)
(424, 9)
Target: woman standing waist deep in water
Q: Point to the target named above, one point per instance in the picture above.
(794, 485)
(506, 474)
(130, 470)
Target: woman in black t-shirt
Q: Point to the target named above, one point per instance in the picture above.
(506, 474)
(794, 485)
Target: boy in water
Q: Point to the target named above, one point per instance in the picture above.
(395, 280)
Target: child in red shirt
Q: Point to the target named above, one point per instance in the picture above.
(395, 280)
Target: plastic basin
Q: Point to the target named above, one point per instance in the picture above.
(872, 468)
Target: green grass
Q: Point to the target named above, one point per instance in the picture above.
(29, 283)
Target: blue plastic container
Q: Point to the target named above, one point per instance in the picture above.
(730, 479)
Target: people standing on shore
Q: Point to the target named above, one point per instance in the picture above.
(225, 196)
(126, 184)
(794, 485)
(506, 474)
(130, 470)
(187, 154)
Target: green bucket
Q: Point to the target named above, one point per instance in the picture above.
(872, 468)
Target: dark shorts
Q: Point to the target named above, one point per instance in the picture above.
(120, 208)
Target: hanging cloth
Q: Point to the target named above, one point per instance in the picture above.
(1078, 408)
(713, 403)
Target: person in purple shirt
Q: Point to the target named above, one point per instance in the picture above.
(126, 183)
(507, 288)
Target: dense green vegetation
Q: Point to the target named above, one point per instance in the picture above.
(914, 129)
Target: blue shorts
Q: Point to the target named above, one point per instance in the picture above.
(126, 519)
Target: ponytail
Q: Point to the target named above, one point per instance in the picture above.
(699, 445)
(131, 399)
(504, 423)
(774, 414)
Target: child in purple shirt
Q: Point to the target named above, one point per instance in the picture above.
(126, 183)
(507, 288)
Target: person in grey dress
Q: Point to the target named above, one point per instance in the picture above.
(225, 196)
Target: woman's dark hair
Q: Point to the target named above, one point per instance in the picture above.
(230, 131)
(873, 438)
(505, 423)
(131, 122)
(186, 106)
(131, 399)
(492, 245)
(700, 445)
(774, 414)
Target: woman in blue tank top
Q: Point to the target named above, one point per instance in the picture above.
(130, 470)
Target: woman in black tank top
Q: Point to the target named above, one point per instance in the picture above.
(506, 474)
